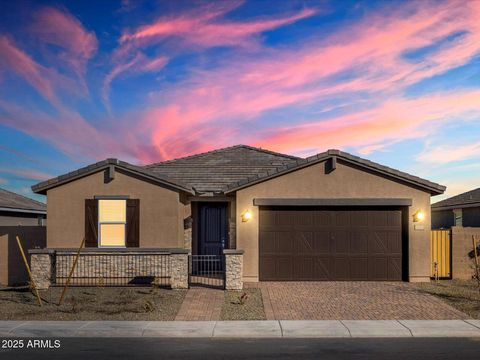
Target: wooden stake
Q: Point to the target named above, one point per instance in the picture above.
(477, 267)
(29, 272)
(60, 302)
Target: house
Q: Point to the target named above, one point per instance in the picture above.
(331, 216)
(23, 217)
(16, 210)
(460, 210)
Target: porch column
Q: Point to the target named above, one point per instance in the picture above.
(233, 269)
(179, 269)
(41, 266)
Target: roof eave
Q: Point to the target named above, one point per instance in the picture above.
(432, 188)
(41, 188)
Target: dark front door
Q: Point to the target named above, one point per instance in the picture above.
(212, 229)
(331, 244)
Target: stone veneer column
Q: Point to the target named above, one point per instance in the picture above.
(233, 269)
(179, 269)
(41, 267)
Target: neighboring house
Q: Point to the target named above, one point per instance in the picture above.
(332, 216)
(459, 210)
(23, 217)
(16, 209)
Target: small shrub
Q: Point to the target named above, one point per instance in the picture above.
(149, 306)
(241, 299)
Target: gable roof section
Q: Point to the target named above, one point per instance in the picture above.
(467, 199)
(432, 187)
(16, 202)
(42, 187)
(212, 171)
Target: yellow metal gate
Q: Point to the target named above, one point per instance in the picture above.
(440, 250)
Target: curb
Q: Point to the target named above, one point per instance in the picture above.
(244, 329)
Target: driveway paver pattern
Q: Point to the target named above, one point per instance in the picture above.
(350, 300)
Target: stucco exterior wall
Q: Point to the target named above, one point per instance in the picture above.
(443, 219)
(12, 267)
(344, 182)
(161, 211)
(18, 219)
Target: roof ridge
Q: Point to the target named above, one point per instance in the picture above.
(458, 197)
(23, 196)
(223, 149)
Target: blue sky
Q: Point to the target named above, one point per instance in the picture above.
(143, 81)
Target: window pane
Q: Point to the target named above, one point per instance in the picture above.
(112, 235)
(112, 210)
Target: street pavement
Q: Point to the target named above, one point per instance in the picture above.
(232, 349)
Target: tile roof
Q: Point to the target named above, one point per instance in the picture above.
(434, 188)
(229, 169)
(212, 171)
(16, 201)
(467, 198)
(87, 170)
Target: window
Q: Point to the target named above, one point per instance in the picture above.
(112, 221)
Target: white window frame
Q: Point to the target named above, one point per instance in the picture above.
(457, 217)
(111, 222)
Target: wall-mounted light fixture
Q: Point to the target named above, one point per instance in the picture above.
(418, 216)
(246, 216)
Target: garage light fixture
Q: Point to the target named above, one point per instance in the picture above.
(246, 216)
(418, 216)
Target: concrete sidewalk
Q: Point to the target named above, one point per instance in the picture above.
(244, 329)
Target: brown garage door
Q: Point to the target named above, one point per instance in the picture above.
(304, 243)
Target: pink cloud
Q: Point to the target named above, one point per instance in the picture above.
(236, 94)
(47, 81)
(29, 174)
(57, 27)
(22, 64)
(139, 64)
(449, 153)
(395, 120)
(205, 28)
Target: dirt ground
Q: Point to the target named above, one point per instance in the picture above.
(92, 304)
(461, 294)
(251, 308)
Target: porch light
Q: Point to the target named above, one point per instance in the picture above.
(418, 216)
(246, 216)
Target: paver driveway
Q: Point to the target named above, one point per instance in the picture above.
(349, 300)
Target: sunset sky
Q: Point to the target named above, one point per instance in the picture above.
(395, 82)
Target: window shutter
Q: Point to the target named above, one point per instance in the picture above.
(91, 223)
(133, 222)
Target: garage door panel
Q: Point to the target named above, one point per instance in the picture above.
(341, 241)
(358, 268)
(377, 268)
(284, 267)
(322, 218)
(394, 243)
(317, 244)
(341, 268)
(359, 242)
(323, 266)
(322, 242)
(395, 268)
(285, 242)
(304, 242)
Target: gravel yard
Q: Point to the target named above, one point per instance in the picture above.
(250, 308)
(88, 303)
(461, 294)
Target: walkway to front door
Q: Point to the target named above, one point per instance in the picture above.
(201, 304)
